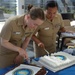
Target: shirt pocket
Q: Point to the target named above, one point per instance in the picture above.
(16, 35)
(57, 27)
(47, 31)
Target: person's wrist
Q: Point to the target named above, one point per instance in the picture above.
(39, 44)
(19, 49)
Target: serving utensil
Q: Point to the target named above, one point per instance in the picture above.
(47, 52)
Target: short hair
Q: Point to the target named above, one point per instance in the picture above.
(29, 7)
(51, 4)
(36, 12)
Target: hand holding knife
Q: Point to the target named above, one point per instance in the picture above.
(47, 52)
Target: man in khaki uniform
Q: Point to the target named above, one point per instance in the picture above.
(46, 37)
(16, 35)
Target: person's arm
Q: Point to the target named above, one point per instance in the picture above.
(8, 45)
(26, 42)
(18, 59)
(62, 29)
(37, 41)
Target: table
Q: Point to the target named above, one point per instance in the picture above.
(7, 69)
(67, 71)
(64, 36)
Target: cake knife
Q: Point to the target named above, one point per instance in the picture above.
(47, 52)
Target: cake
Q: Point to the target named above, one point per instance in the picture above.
(27, 70)
(41, 72)
(57, 61)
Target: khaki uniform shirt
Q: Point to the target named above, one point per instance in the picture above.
(47, 34)
(14, 32)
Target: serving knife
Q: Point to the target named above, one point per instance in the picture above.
(47, 52)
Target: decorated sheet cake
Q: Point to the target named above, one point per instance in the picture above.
(27, 70)
(57, 61)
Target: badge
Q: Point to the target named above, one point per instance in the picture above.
(17, 32)
(46, 28)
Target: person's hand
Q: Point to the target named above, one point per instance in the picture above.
(23, 53)
(41, 45)
(18, 60)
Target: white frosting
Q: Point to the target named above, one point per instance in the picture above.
(22, 66)
(57, 61)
